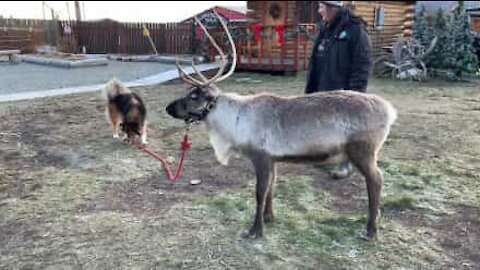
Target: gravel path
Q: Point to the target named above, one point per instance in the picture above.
(26, 77)
(29, 81)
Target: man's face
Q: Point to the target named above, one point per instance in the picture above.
(327, 12)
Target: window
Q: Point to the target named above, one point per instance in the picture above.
(379, 17)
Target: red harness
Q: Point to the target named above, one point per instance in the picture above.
(184, 146)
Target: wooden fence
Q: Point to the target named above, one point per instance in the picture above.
(21, 34)
(103, 36)
(126, 38)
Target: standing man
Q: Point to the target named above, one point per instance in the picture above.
(341, 57)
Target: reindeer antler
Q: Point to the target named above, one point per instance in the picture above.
(184, 76)
(218, 77)
(234, 50)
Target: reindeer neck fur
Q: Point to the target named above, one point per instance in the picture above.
(230, 124)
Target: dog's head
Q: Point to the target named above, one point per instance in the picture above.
(132, 131)
(195, 106)
(131, 128)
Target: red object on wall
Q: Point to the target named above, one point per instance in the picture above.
(280, 30)
(257, 29)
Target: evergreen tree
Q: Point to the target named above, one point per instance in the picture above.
(465, 58)
(443, 56)
(421, 30)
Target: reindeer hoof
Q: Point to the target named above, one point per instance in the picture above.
(252, 234)
(246, 235)
(343, 171)
(268, 217)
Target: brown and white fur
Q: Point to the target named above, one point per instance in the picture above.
(328, 127)
(126, 110)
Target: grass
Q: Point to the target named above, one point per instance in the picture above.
(72, 197)
(307, 235)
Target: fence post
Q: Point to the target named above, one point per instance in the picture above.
(193, 47)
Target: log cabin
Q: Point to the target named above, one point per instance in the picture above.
(475, 17)
(280, 34)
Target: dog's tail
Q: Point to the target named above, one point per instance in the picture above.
(115, 88)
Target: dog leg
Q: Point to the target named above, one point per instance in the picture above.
(116, 129)
(114, 116)
(144, 134)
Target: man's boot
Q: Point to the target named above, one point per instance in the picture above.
(342, 171)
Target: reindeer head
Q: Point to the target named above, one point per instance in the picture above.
(195, 106)
(202, 96)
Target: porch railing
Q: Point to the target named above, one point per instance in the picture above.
(285, 48)
(275, 48)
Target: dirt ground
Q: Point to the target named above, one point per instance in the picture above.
(73, 197)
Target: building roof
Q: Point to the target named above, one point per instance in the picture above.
(231, 14)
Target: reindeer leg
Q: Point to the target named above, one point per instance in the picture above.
(263, 165)
(268, 214)
(364, 157)
(374, 182)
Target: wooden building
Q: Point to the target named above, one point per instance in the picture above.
(475, 17)
(232, 17)
(280, 34)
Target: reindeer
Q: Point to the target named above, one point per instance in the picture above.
(327, 127)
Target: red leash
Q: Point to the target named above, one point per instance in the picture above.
(185, 146)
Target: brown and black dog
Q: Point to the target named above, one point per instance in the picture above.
(125, 109)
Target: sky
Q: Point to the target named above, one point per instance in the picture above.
(128, 11)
